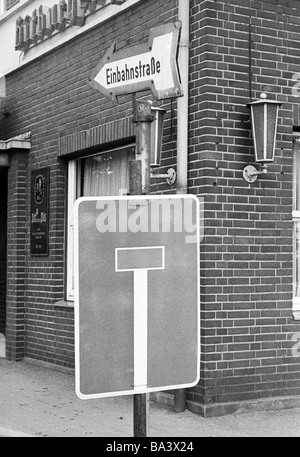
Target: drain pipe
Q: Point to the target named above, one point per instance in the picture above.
(182, 133)
(183, 102)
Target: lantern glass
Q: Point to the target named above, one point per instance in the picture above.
(272, 111)
(264, 115)
(258, 131)
(156, 136)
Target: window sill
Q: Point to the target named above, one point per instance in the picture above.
(296, 309)
(64, 304)
(14, 9)
(296, 315)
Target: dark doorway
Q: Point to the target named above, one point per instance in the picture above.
(3, 247)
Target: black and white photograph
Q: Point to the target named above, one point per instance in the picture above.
(149, 221)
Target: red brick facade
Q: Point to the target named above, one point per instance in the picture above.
(247, 328)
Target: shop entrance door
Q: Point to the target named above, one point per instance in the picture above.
(3, 256)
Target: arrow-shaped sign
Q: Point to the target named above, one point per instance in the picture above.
(152, 65)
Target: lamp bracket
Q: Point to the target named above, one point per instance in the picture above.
(170, 176)
(250, 173)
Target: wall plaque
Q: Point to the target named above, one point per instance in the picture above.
(39, 223)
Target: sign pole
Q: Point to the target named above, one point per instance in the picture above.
(139, 184)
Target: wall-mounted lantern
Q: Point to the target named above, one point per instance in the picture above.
(156, 145)
(264, 116)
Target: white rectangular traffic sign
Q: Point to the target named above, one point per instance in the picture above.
(150, 258)
(137, 294)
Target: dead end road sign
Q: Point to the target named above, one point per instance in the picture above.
(152, 65)
(137, 294)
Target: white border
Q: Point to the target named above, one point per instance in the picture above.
(76, 304)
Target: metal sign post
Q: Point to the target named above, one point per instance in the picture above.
(142, 117)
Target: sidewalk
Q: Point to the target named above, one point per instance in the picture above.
(40, 401)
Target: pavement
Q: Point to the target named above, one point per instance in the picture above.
(40, 401)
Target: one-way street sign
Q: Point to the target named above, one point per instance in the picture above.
(152, 65)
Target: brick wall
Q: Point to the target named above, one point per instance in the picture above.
(246, 261)
(16, 256)
(3, 247)
(51, 98)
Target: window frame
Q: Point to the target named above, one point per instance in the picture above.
(72, 194)
(4, 11)
(73, 186)
(2, 7)
(296, 219)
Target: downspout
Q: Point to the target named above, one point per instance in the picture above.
(183, 102)
(182, 132)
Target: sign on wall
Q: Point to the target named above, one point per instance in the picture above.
(136, 294)
(39, 217)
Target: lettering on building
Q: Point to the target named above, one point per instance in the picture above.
(45, 22)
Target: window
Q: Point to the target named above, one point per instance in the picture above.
(105, 174)
(296, 219)
(2, 6)
(6, 5)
